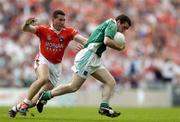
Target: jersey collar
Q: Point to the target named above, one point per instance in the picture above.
(56, 31)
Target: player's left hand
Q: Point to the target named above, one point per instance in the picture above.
(79, 47)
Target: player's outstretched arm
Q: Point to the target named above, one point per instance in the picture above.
(112, 44)
(81, 39)
(29, 25)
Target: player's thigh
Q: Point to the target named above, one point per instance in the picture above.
(77, 81)
(104, 76)
(42, 71)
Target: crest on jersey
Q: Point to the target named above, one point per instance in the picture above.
(48, 37)
(85, 73)
(61, 38)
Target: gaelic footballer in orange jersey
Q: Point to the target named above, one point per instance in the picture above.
(54, 39)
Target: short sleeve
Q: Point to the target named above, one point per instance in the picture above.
(111, 29)
(73, 33)
(38, 30)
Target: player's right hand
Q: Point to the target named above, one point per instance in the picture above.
(31, 21)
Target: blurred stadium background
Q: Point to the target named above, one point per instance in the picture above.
(147, 72)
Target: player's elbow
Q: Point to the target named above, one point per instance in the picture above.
(24, 28)
(107, 42)
(121, 48)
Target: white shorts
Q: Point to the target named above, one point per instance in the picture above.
(55, 70)
(86, 62)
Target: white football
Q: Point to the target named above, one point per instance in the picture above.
(120, 39)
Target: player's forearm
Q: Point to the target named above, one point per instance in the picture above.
(82, 40)
(28, 28)
(29, 25)
(114, 46)
(25, 27)
(108, 42)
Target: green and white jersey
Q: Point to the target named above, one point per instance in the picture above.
(96, 39)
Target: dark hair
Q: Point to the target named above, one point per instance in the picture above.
(57, 12)
(123, 18)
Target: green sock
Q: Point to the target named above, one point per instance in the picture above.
(47, 95)
(104, 104)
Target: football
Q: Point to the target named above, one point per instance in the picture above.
(119, 39)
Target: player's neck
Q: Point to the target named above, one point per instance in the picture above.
(56, 29)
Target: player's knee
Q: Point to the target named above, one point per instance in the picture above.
(43, 80)
(112, 83)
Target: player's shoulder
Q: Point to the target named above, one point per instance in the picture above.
(69, 29)
(43, 26)
(111, 20)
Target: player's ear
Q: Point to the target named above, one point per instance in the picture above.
(118, 22)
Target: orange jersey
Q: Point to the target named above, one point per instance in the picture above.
(53, 45)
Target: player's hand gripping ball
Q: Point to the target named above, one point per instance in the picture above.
(120, 39)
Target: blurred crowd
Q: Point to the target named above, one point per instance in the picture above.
(152, 53)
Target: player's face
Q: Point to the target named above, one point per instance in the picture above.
(122, 27)
(59, 22)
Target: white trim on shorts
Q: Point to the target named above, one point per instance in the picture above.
(55, 70)
(86, 62)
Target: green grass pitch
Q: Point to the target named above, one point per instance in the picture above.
(89, 114)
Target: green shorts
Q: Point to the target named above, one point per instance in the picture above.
(86, 62)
